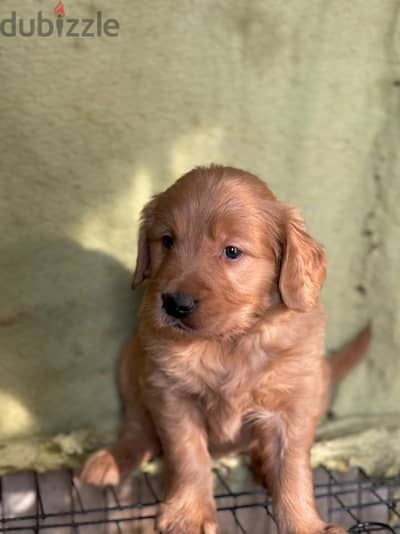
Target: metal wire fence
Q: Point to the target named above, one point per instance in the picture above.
(59, 503)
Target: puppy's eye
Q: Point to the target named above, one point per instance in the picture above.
(232, 252)
(167, 241)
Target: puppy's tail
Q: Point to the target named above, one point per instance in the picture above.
(348, 357)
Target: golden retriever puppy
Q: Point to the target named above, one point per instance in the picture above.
(229, 351)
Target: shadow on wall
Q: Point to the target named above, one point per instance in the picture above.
(69, 311)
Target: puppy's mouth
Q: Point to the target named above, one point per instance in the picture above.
(180, 326)
(177, 324)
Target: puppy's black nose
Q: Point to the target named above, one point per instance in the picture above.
(178, 305)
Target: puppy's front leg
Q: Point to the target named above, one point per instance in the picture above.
(281, 457)
(188, 506)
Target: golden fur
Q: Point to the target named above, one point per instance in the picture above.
(245, 371)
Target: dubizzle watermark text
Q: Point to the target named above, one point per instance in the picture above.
(60, 26)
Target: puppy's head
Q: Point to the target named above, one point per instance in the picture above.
(218, 250)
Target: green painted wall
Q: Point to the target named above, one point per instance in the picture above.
(304, 93)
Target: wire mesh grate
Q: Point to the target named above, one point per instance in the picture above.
(58, 502)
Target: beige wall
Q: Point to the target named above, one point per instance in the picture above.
(300, 92)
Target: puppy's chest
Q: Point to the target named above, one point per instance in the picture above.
(214, 382)
(223, 419)
(220, 380)
(208, 365)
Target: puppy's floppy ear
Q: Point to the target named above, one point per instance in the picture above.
(303, 264)
(142, 268)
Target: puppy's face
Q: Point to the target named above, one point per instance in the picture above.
(213, 249)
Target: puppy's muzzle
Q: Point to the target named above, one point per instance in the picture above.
(178, 305)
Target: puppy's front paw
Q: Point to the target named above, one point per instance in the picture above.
(100, 469)
(196, 519)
